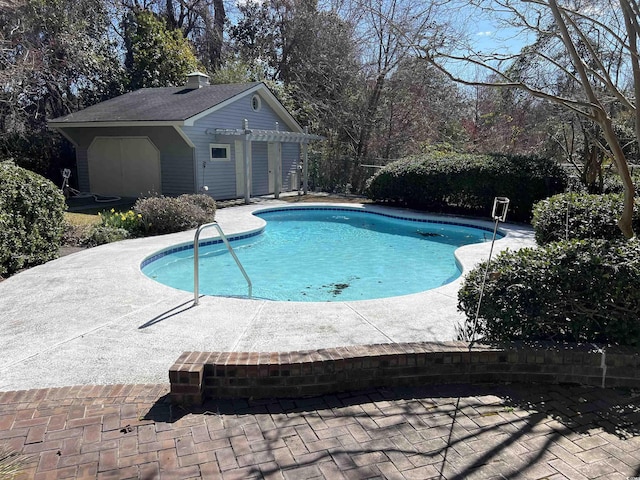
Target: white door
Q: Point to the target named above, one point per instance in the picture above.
(124, 166)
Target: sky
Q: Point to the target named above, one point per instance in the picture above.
(485, 31)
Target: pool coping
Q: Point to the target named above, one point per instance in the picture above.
(93, 317)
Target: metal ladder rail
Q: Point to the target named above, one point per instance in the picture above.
(196, 273)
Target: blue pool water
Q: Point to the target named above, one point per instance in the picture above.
(324, 255)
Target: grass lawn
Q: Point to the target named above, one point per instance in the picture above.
(81, 219)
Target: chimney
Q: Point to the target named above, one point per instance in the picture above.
(197, 80)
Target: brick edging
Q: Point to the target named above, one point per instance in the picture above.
(199, 375)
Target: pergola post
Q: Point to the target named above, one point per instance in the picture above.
(305, 163)
(272, 137)
(247, 171)
(277, 184)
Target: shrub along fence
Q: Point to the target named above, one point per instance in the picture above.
(467, 184)
(580, 215)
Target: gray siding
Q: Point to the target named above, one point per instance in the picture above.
(220, 177)
(176, 157)
(185, 169)
(260, 168)
(290, 162)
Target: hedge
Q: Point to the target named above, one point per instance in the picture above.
(31, 219)
(465, 183)
(580, 215)
(578, 291)
(161, 215)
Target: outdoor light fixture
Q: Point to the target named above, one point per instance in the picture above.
(499, 214)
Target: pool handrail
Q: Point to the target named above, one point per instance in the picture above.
(196, 273)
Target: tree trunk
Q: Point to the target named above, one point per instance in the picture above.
(172, 23)
(219, 20)
(625, 223)
(372, 108)
(601, 117)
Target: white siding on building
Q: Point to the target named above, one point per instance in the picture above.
(290, 164)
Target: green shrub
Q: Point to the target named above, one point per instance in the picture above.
(101, 234)
(129, 221)
(465, 183)
(74, 235)
(580, 291)
(589, 216)
(31, 219)
(613, 184)
(162, 215)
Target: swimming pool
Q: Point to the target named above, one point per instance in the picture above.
(324, 254)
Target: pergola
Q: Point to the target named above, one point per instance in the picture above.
(277, 137)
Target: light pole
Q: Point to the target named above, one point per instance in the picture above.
(499, 214)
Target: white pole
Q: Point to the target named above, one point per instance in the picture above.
(278, 166)
(305, 163)
(247, 164)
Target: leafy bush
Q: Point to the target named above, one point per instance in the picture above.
(101, 234)
(580, 290)
(464, 183)
(74, 235)
(613, 184)
(579, 215)
(162, 215)
(80, 231)
(129, 221)
(31, 219)
(205, 202)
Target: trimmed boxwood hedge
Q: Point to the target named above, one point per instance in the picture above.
(31, 219)
(579, 291)
(580, 215)
(465, 183)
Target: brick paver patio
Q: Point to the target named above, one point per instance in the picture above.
(446, 432)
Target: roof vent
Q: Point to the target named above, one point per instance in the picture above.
(197, 80)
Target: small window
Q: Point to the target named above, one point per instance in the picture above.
(219, 152)
(256, 103)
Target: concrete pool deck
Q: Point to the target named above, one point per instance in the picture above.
(93, 318)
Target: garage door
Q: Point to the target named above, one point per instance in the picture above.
(124, 166)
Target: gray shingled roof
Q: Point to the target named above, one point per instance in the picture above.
(157, 104)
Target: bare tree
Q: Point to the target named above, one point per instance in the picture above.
(388, 31)
(589, 48)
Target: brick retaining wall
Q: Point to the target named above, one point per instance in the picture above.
(199, 375)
